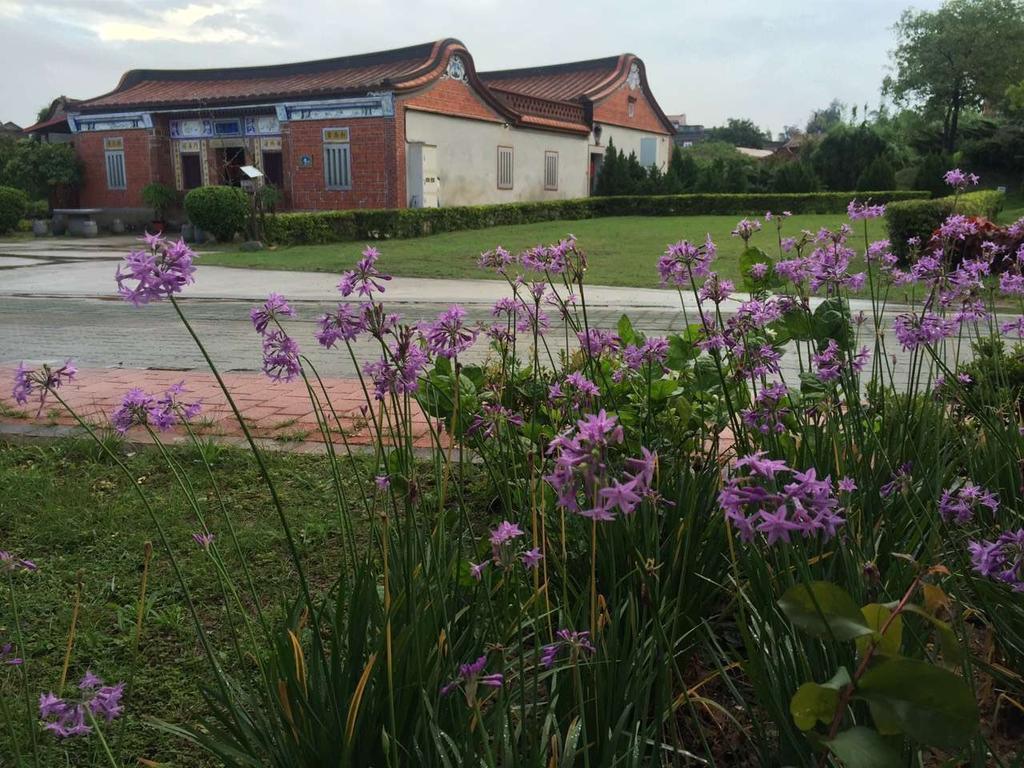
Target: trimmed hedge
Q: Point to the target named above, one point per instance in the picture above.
(338, 226)
(13, 203)
(919, 218)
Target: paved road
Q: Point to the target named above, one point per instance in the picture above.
(57, 301)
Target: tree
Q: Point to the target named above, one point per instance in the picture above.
(930, 172)
(682, 171)
(844, 153)
(36, 167)
(795, 176)
(821, 120)
(739, 133)
(963, 55)
(878, 175)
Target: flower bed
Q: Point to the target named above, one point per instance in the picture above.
(675, 540)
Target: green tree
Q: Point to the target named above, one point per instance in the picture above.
(930, 172)
(740, 133)
(796, 176)
(682, 171)
(963, 55)
(821, 120)
(844, 153)
(36, 167)
(879, 175)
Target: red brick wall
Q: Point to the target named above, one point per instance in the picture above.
(451, 98)
(375, 180)
(614, 110)
(140, 150)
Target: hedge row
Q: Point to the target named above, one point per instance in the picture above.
(920, 218)
(337, 226)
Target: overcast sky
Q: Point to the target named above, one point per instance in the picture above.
(771, 60)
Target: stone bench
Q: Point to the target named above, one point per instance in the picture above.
(80, 220)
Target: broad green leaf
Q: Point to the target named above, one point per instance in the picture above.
(823, 609)
(952, 651)
(680, 352)
(876, 614)
(832, 321)
(799, 325)
(886, 722)
(626, 333)
(442, 365)
(813, 703)
(931, 704)
(862, 747)
(662, 389)
(749, 258)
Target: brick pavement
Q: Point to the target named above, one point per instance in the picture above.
(278, 412)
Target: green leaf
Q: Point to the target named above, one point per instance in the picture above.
(662, 389)
(626, 333)
(749, 258)
(799, 325)
(862, 747)
(952, 651)
(832, 321)
(813, 703)
(930, 704)
(822, 609)
(876, 614)
(680, 352)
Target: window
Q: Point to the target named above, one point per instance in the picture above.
(273, 168)
(114, 152)
(191, 171)
(631, 107)
(505, 167)
(648, 152)
(337, 159)
(550, 170)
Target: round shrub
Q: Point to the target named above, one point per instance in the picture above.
(222, 211)
(13, 204)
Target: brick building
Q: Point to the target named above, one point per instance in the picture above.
(410, 127)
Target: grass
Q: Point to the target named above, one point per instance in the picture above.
(76, 515)
(622, 251)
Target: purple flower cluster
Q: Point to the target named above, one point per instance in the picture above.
(1001, 560)
(280, 351)
(504, 552)
(471, 676)
(596, 342)
(960, 180)
(753, 503)
(575, 643)
(958, 505)
(449, 336)
(683, 261)
(769, 410)
(716, 290)
(7, 657)
(164, 412)
(45, 378)
(576, 389)
(830, 363)
(365, 279)
(913, 331)
(156, 273)
(653, 351)
(900, 481)
(398, 372)
(66, 717)
(492, 415)
(344, 324)
(582, 467)
(861, 211)
(746, 228)
(499, 260)
(274, 307)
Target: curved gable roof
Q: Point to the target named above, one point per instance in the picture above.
(571, 81)
(394, 70)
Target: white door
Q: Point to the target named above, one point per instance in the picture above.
(422, 183)
(431, 179)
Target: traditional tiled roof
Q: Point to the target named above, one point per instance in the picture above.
(574, 81)
(397, 69)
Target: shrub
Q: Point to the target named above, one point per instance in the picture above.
(930, 172)
(159, 197)
(222, 211)
(919, 218)
(37, 168)
(37, 209)
(339, 226)
(13, 204)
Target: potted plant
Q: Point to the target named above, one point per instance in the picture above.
(159, 197)
(39, 212)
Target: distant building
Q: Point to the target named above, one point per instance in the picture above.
(10, 129)
(686, 135)
(757, 154)
(411, 127)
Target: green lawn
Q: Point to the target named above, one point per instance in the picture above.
(621, 250)
(78, 518)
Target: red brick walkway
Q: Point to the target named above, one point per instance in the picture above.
(281, 412)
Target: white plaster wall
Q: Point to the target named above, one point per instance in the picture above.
(628, 140)
(467, 159)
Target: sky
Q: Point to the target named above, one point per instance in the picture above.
(773, 61)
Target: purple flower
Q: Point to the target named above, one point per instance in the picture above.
(746, 228)
(505, 532)
(960, 180)
(913, 331)
(498, 259)
(476, 570)
(203, 540)
(65, 717)
(957, 227)
(768, 411)
(280, 356)
(1001, 560)
(9, 562)
(958, 505)
(576, 389)
(847, 485)
(448, 336)
(398, 373)
(344, 324)
(471, 676)
(158, 272)
(576, 643)
(364, 279)
(595, 342)
(861, 211)
(7, 657)
(274, 307)
(531, 558)
(683, 259)
(383, 483)
(45, 378)
(716, 290)
(899, 481)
